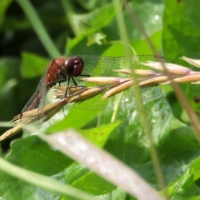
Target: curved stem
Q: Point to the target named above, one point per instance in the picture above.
(39, 28)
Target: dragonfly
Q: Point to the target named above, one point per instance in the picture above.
(65, 69)
(59, 70)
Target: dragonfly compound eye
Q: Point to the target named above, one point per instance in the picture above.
(78, 66)
(74, 66)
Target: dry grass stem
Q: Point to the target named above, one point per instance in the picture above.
(194, 62)
(172, 68)
(87, 94)
(31, 116)
(189, 78)
(60, 91)
(44, 113)
(154, 80)
(78, 94)
(138, 72)
(11, 132)
(118, 88)
(102, 80)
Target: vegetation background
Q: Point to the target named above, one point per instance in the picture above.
(91, 28)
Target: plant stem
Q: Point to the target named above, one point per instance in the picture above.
(42, 181)
(39, 28)
(138, 95)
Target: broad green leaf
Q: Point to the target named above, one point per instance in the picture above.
(152, 21)
(33, 154)
(42, 181)
(33, 65)
(3, 6)
(94, 20)
(181, 38)
(138, 47)
(181, 29)
(94, 184)
(100, 134)
(36, 155)
(78, 46)
(76, 118)
(74, 172)
(178, 148)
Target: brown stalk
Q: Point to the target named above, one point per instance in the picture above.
(138, 72)
(80, 94)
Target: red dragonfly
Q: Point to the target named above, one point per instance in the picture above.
(59, 70)
(64, 69)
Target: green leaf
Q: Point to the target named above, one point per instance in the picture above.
(80, 177)
(181, 38)
(181, 29)
(152, 21)
(3, 6)
(186, 186)
(33, 154)
(39, 180)
(36, 155)
(94, 20)
(100, 134)
(33, 65)
(76, 118)
(94, 184)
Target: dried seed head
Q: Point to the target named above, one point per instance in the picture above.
(60, 91)
(46, 113)
(118, 88)
(87, 94)
(188, 78)
(138, 72)
(154, 80)
(102, 80)
(194, 62)
(172, 68)
(11, 132)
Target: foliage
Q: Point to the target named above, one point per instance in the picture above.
(89, 28)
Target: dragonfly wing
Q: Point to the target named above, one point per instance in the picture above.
(96, 103)
(37, 101)
(43, 92)
(151, 93)
(96, 65)
(33, 101)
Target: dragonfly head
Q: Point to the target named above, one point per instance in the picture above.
(74, 66)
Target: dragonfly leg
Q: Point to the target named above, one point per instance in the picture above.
(52, 83)
(74, 81)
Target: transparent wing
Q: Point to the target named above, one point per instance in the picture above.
(39, 97)
(96, 65)
(96, 103)
(105, 66)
